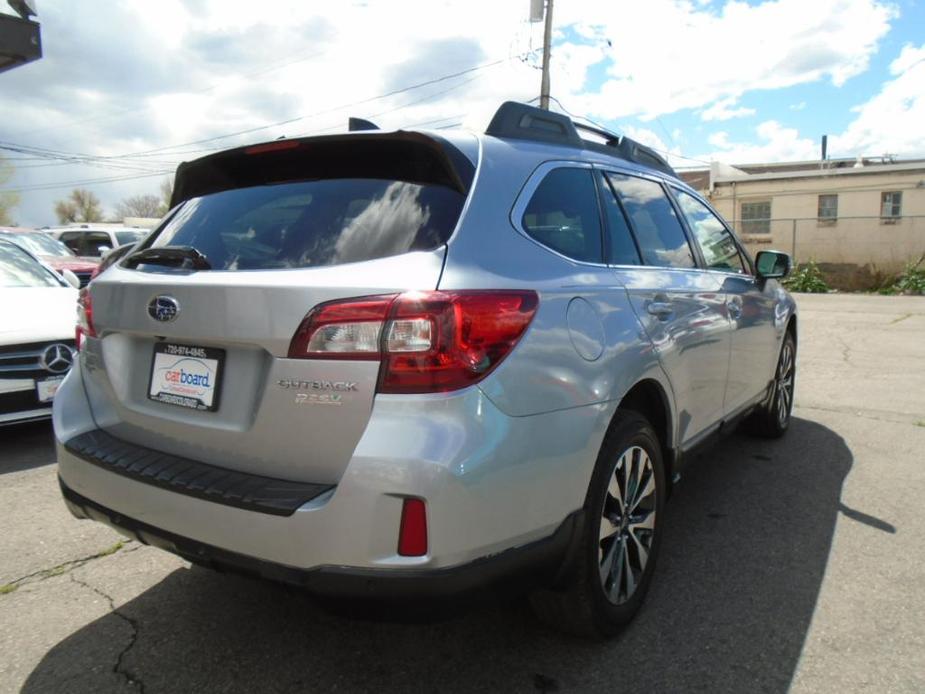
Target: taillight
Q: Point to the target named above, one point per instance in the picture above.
(428, 341)
(84, 317)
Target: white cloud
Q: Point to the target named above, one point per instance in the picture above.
(700, 56)
(910, 57)
(773, 142)
(892, 121)
(725, 109)
(798, 107)
(127, 76)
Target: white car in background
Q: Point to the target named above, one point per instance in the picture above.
(95, 240)
(37, 319)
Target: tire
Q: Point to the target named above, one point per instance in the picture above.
(589, 601)
(773, 419)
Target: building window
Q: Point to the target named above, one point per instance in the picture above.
(828, 208)
(891, 205)
(756, 217)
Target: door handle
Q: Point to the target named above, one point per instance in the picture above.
(661, 309)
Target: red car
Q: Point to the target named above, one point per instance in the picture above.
(52, 252)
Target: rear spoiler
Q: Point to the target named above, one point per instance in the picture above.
(406, 156)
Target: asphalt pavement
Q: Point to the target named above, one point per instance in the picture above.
(796, 564)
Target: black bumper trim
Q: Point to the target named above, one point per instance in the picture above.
(537, 563)
(192, 478)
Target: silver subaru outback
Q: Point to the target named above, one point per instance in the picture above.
(412, 364)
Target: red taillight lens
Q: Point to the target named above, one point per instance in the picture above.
(84, 317)
(469, 332)
(428, 341)
(412, 534)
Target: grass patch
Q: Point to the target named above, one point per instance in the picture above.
(60, 569)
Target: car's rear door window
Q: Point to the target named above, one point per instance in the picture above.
(313, 223)
(719, 249)
(563, 214)
(658, 230)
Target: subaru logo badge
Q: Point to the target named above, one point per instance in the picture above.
(57, 358)
(163, 308)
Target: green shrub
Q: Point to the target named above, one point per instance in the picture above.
(911, 281)
(807, 278)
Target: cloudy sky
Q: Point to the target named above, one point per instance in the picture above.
(129, 88)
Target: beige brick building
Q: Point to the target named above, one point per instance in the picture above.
(865, 212)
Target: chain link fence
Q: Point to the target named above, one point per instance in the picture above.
(853, 252)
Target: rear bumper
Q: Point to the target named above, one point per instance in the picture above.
(536, 563)
(492, 484)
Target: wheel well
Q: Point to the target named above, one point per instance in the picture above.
(792, 328)
(648, 399)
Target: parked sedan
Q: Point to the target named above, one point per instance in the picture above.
(52, 252)
(37, 311)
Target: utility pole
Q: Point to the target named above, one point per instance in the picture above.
(547, 39)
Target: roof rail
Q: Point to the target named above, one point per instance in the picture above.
(520, 121)
(524, 122)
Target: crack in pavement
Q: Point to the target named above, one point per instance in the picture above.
(118, 667)
(64, 567)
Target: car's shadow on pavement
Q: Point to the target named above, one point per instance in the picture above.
(747, 541)
(25, 446)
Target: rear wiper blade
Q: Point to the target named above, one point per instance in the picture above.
(183, 257)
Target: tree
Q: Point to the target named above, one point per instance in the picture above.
(166, 195)
(7, 200)
(80, 206)
(139, 206)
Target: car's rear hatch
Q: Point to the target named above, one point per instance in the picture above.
(194, 362)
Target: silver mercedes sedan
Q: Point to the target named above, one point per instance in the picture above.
(410, 365)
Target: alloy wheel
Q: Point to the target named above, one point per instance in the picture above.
(627, 525)
(785, 371)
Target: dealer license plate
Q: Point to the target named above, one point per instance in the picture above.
(45, 390)
(186, 376)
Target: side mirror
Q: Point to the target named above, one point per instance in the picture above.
(773, 264)
(71, 278)
(103, 250)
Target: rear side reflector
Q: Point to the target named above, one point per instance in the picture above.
(412, 534)
(428, 342)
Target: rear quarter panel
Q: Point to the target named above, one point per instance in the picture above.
(585, 345)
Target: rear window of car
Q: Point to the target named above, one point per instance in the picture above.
(124, 237)
(313, 223)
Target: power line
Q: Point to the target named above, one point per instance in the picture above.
(76, 156)
(78, 184)
(353, 104)
(145, 107)
(596, 124)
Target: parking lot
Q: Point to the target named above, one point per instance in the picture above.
(793, 564)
